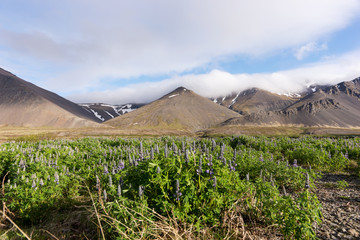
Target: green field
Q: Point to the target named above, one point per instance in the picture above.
(168, 187)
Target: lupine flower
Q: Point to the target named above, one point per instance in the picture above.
(97, 183)
(284, 190)
(224, 161)
(199, 170)
(295, 163)
(119, 190)
(247, 177)
(33, 184)
(152, 154)
(105, 195)
(141, 191)
(261, 159)
(234, 157)
(158, 170)
(56, 175)
(213, 145)
(214, 184)
(231, 167)
(307, 182)
(106, 171)
(41, 183)
(186, 156)
(110, 180)
(121, 165)
(178, 193)
(166, 151)
(121, 181)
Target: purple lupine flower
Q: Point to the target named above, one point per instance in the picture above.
(234, 157)
(307, 182)
(178, 193)
(231, 167)
(199, 170)
(33, 184)
(284, 190)
(186, 156)
(121, 165)
(110, 180)
(158, 170)
(141, 191)
(97, 183)
(41, 183)
(214, 184)
(295, 163)
(224, 161)
(56, 175)
(166, 151)
(105, 195)
(213, 145)
(261, 159)
(106, 171)
(210, 163)
(121, 181)
(346, 155)
(119, 190)
(152, 154)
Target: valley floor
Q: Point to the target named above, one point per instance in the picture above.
(8, 133)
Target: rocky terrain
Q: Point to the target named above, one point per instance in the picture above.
(340, 207)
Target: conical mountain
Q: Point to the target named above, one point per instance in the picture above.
(25, 104)
(182, 109)
(255, 100)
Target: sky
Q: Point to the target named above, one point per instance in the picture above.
(117, 51)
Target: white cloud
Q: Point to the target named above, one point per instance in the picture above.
(219, 83)
(90, 40)
(309, 48)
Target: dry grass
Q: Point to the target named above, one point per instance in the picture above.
(8, 133)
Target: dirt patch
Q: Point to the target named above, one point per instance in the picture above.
(340, 207)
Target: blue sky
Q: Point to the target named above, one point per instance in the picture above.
(118, 51)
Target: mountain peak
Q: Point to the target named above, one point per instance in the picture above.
(177, 92)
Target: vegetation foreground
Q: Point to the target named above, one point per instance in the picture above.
(167, 188)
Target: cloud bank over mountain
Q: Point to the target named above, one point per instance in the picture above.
(220, 83)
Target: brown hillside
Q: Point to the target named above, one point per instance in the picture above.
(181, 109)
(24, 104)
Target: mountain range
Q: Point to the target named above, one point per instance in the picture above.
(24, 104)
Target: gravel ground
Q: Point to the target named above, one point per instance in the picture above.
(340, 208)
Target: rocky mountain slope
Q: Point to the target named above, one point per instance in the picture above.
(254, 100)
(181, 109)
(337, 105)
(24, 104)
